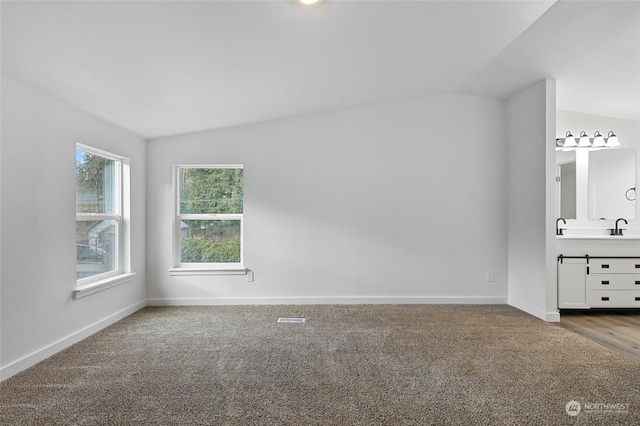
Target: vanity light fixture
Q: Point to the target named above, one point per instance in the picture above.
(584, 140)
(612, 140)
(568, 143)
(598, 140)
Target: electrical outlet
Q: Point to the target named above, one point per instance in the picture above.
(249, 276)
(489, 277)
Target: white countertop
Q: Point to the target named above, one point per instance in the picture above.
(597, 237)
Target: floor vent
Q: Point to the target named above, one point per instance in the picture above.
(292, 320)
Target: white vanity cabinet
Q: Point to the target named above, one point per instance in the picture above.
(598, 282)
(572, 277)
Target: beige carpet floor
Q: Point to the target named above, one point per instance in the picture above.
(347, 365)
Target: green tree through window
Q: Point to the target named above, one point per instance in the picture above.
(98, 215)
(210, 214)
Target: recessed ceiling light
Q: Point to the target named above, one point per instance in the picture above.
(308, 1)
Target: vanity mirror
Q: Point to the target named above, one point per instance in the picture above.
(566, 185)
(612, 179)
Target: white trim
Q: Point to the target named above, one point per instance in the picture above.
(209, 166)
(208, 271)
(330, 300)
(97, 216)
(125, 243)
(96, 286)
(211, 216)
(55, 347)
(100, 152)
(525, 307)
(98, 278)
(552, 317)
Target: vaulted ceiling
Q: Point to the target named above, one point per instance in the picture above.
(161, 68)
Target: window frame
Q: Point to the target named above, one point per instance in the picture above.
(120, 215)
(198, 268)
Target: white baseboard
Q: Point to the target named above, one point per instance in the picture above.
(552, 317)
(41, 354)
(538, 313)
(342, 300)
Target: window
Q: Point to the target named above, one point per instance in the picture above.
(99, 218)
(209, 219)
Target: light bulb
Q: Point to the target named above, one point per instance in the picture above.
(569, 141)
(612, 140)
(598, 140)
(584, 140)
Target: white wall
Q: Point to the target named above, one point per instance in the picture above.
(39, 315)
(402, 202)
(531, 126)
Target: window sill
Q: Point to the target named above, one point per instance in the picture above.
(97, 286)
(208, 271)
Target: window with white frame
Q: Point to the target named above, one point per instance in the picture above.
(99, 219)
(209, 220)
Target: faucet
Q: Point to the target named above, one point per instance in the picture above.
(618, 231)
(559, 230)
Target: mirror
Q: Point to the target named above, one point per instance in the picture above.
(612, 177)
(566, 185)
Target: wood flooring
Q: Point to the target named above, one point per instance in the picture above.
(616, 329)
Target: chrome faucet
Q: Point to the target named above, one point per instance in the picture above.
(559, 231)
(618, 231)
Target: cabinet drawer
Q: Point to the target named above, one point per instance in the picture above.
(613, 298)
(613, 281)
(614, 266)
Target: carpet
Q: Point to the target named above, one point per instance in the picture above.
(346, 365)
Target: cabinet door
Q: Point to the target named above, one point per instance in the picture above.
(572, 286)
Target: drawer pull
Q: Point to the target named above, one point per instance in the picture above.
(605, 298)
(605, 282)
(637, 282)
(606, 266)
(637, 298)
(637, 266)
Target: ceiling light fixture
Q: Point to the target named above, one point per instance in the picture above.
(568, 143)
(308, 1)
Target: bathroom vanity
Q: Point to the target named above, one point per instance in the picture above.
(598, 230)
(586, 282)
(597, 270)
